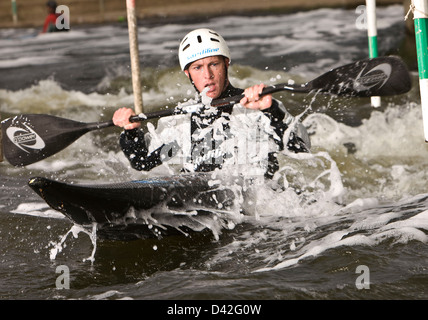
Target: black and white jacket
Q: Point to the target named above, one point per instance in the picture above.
(205, 136)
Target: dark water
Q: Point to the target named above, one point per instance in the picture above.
(362, 207)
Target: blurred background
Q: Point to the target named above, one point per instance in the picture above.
(32, 12)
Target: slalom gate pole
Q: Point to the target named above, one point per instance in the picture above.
(420, 16)
(372, 38)
(135, 61)
(14, 12)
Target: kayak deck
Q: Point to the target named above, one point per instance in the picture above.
(116, 207)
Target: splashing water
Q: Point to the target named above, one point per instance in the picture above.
(75, 230)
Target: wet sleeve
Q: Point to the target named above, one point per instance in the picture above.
(135, 149)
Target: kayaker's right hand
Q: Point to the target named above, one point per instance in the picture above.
(252, 99)
(121, 119)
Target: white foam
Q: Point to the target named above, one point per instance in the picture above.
(369, 231)
(37, 209)
(389, 156)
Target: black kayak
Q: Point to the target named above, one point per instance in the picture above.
(176, 202)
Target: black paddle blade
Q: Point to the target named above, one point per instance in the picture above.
(32, 137)
(382, 76)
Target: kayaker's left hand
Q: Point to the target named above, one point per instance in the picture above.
(252, 99)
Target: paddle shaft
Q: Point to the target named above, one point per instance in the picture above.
(218, 103)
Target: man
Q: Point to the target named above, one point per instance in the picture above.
(204, 57)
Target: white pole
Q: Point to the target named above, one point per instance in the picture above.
(372, 37)
(420, 16)
(135, 61)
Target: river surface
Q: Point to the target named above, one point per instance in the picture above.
(357, 228)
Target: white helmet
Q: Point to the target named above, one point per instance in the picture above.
(201, 43)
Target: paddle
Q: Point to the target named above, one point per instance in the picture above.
(33, 137)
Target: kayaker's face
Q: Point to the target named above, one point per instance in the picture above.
(209, 72)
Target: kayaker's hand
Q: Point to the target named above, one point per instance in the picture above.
(121, 119)
(252, 99)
